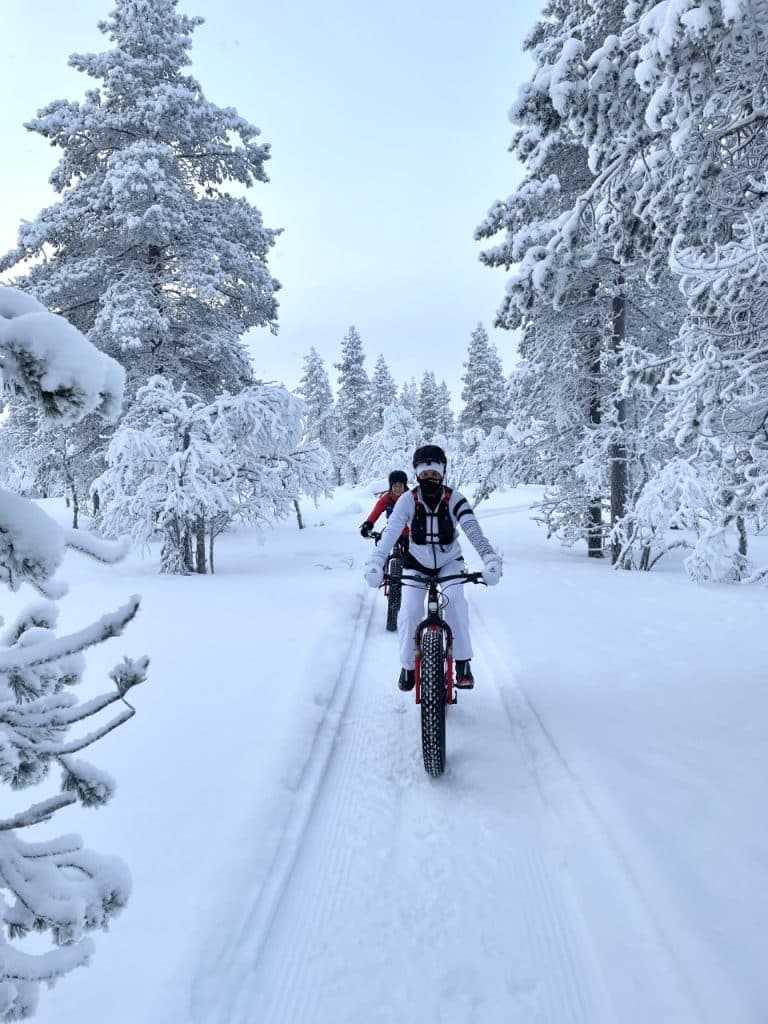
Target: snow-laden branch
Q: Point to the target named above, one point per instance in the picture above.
(107, 626)
(38, 812)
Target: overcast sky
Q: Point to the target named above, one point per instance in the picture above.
(389, 135)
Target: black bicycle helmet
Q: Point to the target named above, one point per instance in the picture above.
(430, 453)
(397, 476)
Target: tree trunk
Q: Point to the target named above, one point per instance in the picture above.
(186, 548)
(73, 491)
(200, 545)
(741, 527)
(595, 506)
(210, 550)
(618, 449)
(299, 519)
(172, 554)
(96, 503)
(155, 260)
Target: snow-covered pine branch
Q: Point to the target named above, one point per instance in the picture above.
(57, 888)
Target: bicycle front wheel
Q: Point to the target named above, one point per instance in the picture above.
(433, 701)
(394, 594)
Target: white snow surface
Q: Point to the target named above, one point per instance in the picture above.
(597, 851)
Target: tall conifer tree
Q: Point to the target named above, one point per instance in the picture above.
(353, 400)
(483, 391)
(429, 405)
(146, 251)
(315, 389)
(409, 397)
(383, 393)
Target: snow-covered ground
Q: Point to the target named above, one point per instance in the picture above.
(596, 853)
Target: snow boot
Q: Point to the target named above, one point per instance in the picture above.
(464, 678)
(407, 679)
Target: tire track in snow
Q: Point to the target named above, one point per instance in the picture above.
(339, 865)
(640, 968)
(411, 899)
(224, 976)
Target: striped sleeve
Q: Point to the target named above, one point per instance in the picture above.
(463, 514)
(462, 508)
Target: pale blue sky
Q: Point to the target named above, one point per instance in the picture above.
(389, 134)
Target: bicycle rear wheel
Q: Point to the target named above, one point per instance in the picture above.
(394, 593)
(433, 701)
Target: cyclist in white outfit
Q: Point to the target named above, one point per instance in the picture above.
(432, 511)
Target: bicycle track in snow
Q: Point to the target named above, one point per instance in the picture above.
(490, 896)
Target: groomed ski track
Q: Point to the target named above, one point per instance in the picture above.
(491, 895)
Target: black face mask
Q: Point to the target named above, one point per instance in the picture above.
(431, 491)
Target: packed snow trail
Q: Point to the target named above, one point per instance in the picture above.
(597, 850)
(490, 895)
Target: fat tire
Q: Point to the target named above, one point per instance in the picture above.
(433, 702)
(395, 593)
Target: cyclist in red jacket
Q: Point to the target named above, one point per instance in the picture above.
(398, 484)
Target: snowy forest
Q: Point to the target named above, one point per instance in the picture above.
(631, 266)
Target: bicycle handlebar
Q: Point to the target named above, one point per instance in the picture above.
(465, 577)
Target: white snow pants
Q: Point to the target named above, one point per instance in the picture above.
(456, 614)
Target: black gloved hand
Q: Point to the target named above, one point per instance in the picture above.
(366, 529)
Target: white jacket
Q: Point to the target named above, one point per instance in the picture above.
(432, 555)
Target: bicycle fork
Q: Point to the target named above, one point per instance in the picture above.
(434, 623)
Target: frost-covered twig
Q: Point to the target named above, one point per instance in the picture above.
(38, 812)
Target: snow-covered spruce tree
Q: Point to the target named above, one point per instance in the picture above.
(353, 400)
(445, 420)
(320, 411)
(181, 469)
(584, 315)
(164, 476)
(692, 170)
(146, 251)
(389, 448)
(429, 406)
(383, 393)
(559, 389)
(409, 397)
(483, 393)
(270, 461)
(490, 461)
(54, 887)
